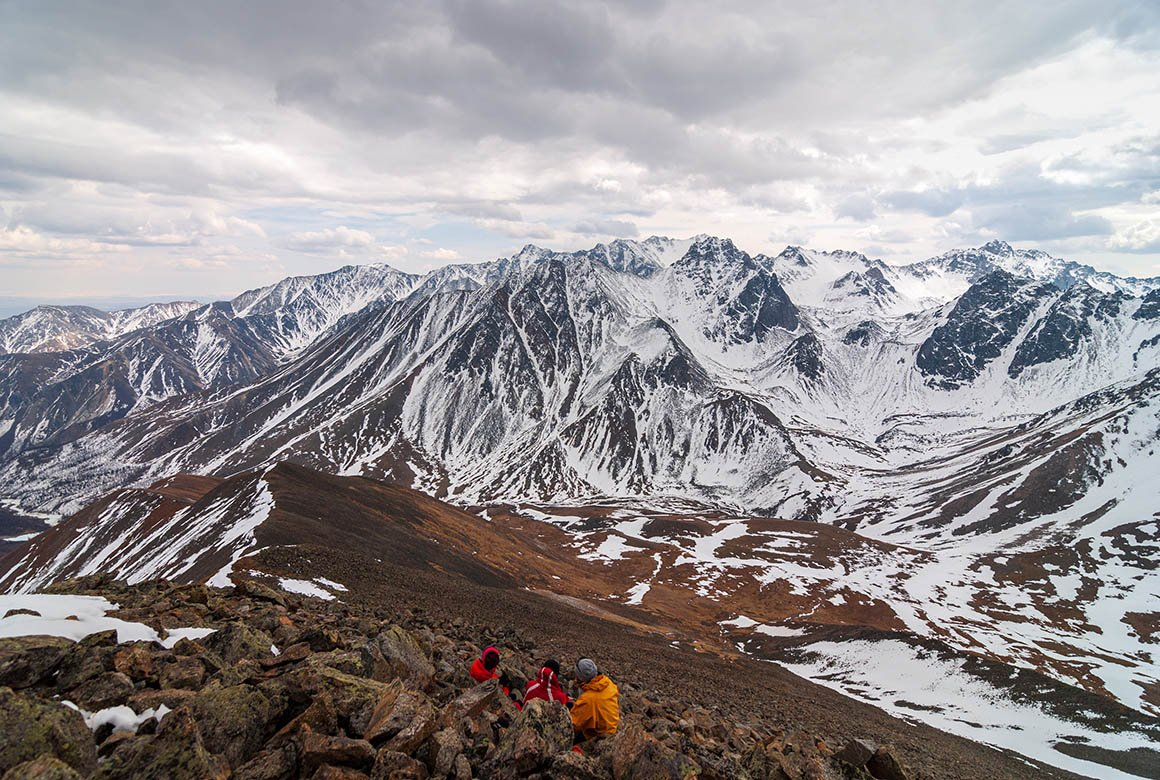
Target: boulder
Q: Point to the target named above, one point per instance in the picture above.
(446, 747)
(542, 731)
(577, 766)
(106, 690)
(470, 704)
(44, 768)
(234, 722)
(856, 752)
(236, 641)
(328, 772)
(83, 663)
(885, 766)
(412, 721)
(32, 728)
(636, 755)
(395, 653)
(392, 765)
(26, 660)
(317, 749)
(270, 764)
(175, 752)
(355, 698)
(136, 661)
(184, 672)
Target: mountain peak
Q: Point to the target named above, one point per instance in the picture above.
(997, 247)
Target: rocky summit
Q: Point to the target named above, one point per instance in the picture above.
(261, 684)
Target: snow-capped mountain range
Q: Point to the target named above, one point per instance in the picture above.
(993, 407)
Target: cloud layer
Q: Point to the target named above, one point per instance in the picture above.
(200, 148)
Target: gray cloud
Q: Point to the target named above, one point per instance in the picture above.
(616, 228)
(516, 117)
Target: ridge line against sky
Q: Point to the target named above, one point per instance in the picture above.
(196, 149)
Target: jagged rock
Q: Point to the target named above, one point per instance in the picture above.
(884, 766)
(317, 749)
(856, 752)
(392, 765)
(31, 727)
(636, 755)
(237, 641)
(320, 717)
(176, 752)
(279, 763)
(255, 590)
(291, 655)
(542, 731)
(419, 719)
(765, 762)
(45, 767)
(83, 663)
(26, 660)
(234, 722)
(445, 747)
(394, 653)
(355, 698)
(577, 766)
(149, 699)
(379, 725)
(328, 772)
(471, 703)
(106, 690)
(321, 640)
(462, 770)
(136, 661)
(182, 672)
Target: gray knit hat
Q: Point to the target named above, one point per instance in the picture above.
(586, 669)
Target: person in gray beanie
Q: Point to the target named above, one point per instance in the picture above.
(596, 712)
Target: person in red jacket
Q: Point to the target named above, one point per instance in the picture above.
(486, 667)
(547, 684)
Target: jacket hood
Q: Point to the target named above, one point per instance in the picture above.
(597, 683)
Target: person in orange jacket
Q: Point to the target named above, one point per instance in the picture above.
(596, 712)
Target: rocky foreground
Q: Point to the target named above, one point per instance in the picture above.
(291, 687)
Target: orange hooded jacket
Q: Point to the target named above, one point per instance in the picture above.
(596, 712)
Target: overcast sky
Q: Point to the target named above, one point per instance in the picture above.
(195, 149)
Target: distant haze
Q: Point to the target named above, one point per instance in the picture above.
(177, 150)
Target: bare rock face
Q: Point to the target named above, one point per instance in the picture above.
(33, 727)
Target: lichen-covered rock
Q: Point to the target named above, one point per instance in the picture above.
(32, 727)
(175, 752)
(416, 718)
(856, 752)
(26, 660)
(237, 641)
(396, 654)
(137, 661)
(105, 690)
(182, 672)
(578, 766)
(470, 703)
(392, 765)
(317, 749)
(279, 763)
(637, 755)
(234, 722)
(542, 731)
(43, 768)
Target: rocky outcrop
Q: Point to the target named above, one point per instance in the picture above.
(287, 687)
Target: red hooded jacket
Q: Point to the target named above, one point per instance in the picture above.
(546, 686)
(481, 673)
